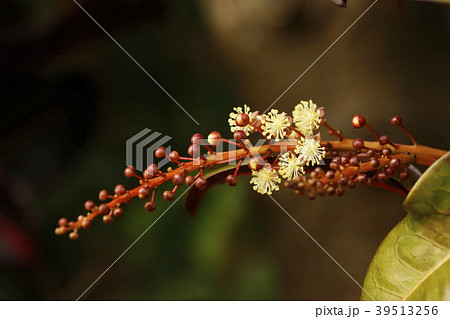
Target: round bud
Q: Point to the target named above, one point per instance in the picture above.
(382, 177)
(120, 190)
(256, 163)
(331, 190)
(340, 191)
(59, 231)
(201, 183)
(103, 209)
(143, 193)
(189, 180)
(239, 135)
(73, 236)
(383, 139)
(319, 171)
(351, 184)
(89, 205)
(168, 196)
(160, 152)
(311, 196)
(343, 181)
(86, 223)
(231, 180)
(289, 183)
(334, 165)
(103, 195)
(334, 153)
(345, 160)
(370, 153)
(150, 206)
(129, 171)
(194, 150)
(62, 222)
(390, 171)
(107, 219)
(394, 163)
(178, 180)
(196, 138)
(321, 192)
(151, 171)
(118, 212)
(330, 175)
(358, 121)
(358, 144)
(214, 138)
(242, 119)
(396, 120)
(386, 152)
(354, 161)
(362, 178)
(374, 162)
(174, 156)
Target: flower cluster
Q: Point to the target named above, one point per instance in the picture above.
(305, 119)
(291, 149)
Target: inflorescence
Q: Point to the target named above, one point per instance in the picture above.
(292, 149)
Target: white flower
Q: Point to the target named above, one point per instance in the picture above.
(310, 150)
(291, 165)
(232, 120)
(266, 180)
(274, 124)
(307, 117)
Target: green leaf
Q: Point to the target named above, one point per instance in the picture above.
(413, 261)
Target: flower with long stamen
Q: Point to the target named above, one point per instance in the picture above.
(275, 125)
(232, 120)
(307, 117)
(266, 180)
(290, 165)
(310, 150)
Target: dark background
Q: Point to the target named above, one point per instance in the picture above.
(70, 98)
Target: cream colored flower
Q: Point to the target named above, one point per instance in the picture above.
(310, 150)
(266, 180)
(274, 124)
(290, 165)
(307, 117)
(232, 120)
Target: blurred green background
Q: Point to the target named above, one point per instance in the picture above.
(70, 98)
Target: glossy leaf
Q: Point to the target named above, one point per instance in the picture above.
(413, 262)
